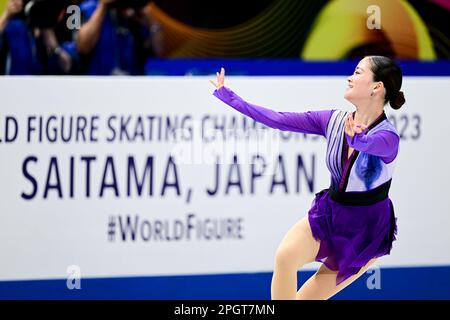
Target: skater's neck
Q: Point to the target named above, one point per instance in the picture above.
(366, 115)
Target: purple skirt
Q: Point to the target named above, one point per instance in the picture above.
(351, 235)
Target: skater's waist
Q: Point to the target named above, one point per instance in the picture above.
(361, 198)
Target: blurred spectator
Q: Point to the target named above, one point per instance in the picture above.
(17, 45)
(116, 37)
(30, 48)
(59, 58)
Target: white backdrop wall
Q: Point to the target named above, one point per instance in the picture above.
(67, 202)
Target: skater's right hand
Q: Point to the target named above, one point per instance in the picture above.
(220, 79)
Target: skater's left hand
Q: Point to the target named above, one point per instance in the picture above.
(351, 128)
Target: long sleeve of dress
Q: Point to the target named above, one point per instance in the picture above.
(312, 122)
(383, 143)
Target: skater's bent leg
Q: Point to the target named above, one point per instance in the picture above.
(322, 285)
(297, 248)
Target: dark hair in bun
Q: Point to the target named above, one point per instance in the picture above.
(385, 69)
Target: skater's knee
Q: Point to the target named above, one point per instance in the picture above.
(297, 248)
(286, 257)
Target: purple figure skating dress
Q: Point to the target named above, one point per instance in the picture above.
(354, 218)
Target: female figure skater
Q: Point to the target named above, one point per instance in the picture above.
(351, 223)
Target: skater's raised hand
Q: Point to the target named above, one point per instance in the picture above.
(351, 128)
(220, 79)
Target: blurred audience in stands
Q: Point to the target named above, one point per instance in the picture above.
(115, 37)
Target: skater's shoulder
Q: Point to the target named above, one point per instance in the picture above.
(337, 112)
(386, 125)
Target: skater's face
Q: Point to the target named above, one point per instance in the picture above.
(361, 86)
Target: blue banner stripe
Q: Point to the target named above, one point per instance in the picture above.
(282, 67)
(395, 283)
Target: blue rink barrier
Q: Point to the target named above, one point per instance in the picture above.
(282, 67)
(396, 283)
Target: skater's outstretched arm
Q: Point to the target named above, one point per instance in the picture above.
(312, 122)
